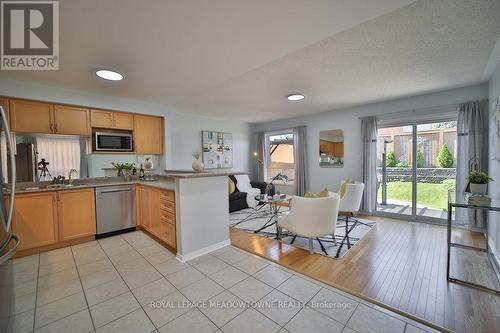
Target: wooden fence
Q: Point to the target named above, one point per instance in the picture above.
(429, 143)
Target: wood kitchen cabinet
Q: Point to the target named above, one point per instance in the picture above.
(31, 117)
(157, 208)
(39, 117)
(47, 218)
(332, 148)
(71, 120)
(4, 102)
(144, 207)
(148, 134)
(35, 219)
(76, 210)
(111, 119)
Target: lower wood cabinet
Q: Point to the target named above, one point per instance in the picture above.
(35, 219)
(76, 213)
(157, 213)
(47, 218)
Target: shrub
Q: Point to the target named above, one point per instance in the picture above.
(402, 164)
(478, 177)
(445, 158)
(391, 160)
(420, 158)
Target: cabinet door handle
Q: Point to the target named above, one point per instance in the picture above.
(52, 128)
(55, 128)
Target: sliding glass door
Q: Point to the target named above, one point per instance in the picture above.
(395, 170)
(416, 168)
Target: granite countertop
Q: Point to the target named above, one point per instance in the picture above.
(201, 174)
(164, 182)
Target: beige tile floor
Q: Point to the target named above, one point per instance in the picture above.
(130, 283)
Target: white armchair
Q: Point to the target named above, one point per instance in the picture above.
(311, 218)
(349, 207)
(351, 201)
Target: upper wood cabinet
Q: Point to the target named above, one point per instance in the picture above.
(4, 102)
(76, 213)
(35, 219)
(31, 117)
(111, 119)
(39, 117)
(47, 118)
(148, 134)
(71, 120)
(123, 120)
(100, 118)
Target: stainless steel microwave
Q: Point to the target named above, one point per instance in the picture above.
(112, 141)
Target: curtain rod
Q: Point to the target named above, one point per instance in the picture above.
(401, 112)
(426, 108)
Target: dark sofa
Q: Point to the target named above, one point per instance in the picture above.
(238, 200)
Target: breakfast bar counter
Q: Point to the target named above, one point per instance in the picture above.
(202, 211)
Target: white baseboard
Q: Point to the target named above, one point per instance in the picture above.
(200, 252)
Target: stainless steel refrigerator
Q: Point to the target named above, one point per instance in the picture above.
(8, 241)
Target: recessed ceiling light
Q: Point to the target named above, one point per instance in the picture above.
(109, 75)
(295, 97)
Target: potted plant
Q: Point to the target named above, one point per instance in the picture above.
(479, 182)
(124, 169)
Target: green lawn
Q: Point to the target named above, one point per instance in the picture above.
(430, 195)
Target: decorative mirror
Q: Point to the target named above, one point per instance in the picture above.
(331, 149)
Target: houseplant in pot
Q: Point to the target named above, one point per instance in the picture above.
(479, 182)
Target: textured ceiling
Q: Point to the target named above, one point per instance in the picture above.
(428, 46)
(239, 58)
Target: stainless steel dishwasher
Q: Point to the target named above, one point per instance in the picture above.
(115, 208)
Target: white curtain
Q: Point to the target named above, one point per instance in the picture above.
(261, 156)
(472, 148)
(266, 158)
(369, 155)
(300, 156)
(63, 154)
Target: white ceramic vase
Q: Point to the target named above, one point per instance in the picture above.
(197, 165)
(478, 188)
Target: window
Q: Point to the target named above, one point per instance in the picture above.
(63, 154)
(281, 157)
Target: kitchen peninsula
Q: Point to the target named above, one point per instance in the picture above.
(187, 211)
(202, 212)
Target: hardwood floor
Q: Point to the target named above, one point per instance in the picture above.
(402, 266)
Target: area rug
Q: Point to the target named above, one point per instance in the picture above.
(259, 221)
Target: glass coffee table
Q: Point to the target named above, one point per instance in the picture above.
(274, 207)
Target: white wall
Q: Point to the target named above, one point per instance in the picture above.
(348, 120)
(182, 131)
(494, 170)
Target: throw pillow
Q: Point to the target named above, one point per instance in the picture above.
(230, 185)
(243, 183)
(343, 187)
(322, 194)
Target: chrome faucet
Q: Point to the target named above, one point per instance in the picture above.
(70, 178)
